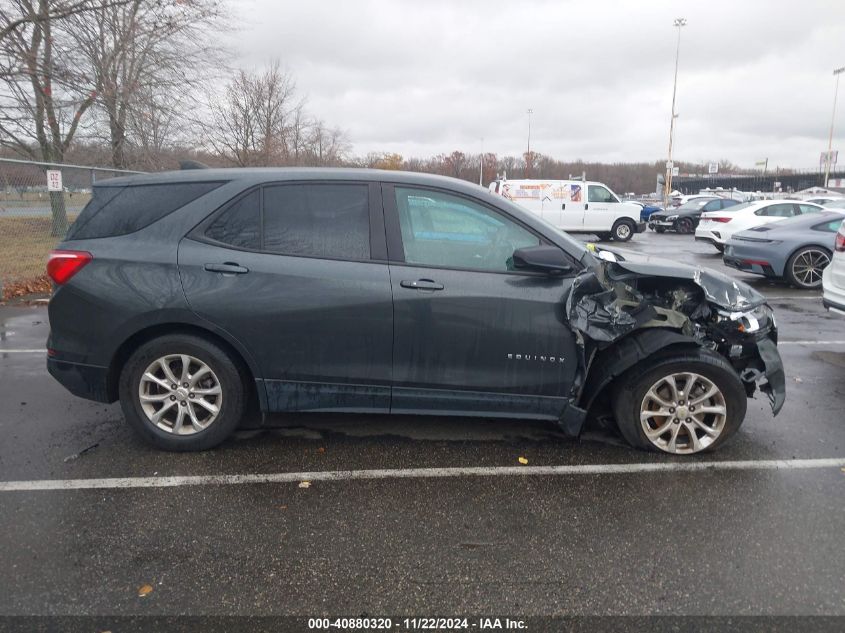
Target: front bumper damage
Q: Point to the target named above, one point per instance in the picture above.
(617, 297)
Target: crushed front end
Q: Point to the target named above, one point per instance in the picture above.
(618, 296)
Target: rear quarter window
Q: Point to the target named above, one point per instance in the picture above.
(121, 210)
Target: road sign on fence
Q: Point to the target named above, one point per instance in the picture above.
(54, 180)
(713, 168)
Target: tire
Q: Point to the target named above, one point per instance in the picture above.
(660, 229)
(223, 386)
(684, 226)
(804, 267)
(603, 237)
(630, 400)
(623, 230)
(719, 247)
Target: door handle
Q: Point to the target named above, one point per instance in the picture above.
(586, 206)
(227, 268)
(563, 207)
(421, 284)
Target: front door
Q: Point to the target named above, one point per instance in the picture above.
(572, 205)
(291, 271)
(471, 334)
(602, 208)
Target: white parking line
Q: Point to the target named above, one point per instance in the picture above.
(780, 343)
(23, 351)
(418, 473)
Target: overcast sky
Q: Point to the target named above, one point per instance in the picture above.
(429, 76)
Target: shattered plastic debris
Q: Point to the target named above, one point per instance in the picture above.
(144, 590)
(304, 484)
(522, 460)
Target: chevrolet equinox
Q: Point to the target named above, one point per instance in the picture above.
(191, 296)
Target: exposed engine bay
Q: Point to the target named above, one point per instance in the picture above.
(617, 297)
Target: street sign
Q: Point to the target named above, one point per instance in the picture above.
(676, 171)
(834, 156)
(669, 164)
(54, 180)
(713, 168)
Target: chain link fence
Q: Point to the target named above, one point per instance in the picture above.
(38, 201)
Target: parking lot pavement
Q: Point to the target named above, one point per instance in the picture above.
(755, 539)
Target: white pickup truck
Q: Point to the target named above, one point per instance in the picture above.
(575, 206)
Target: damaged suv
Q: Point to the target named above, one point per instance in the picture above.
(196, 296)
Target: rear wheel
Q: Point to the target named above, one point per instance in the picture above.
(660, 229)
(684, 225)
(687, 403)
(623, 230)
(719, 247)
(804, 268)
(182, 393)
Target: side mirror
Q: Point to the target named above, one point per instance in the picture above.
(548, 258)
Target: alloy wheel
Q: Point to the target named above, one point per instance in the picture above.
(180, 394)
(683, 413)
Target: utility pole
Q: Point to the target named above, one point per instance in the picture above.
(528, 153)
(481, 167)
(827, 161)
(679, 23)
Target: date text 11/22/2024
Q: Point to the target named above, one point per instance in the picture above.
(416, 624)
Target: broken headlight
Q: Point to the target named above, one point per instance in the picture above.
(748, 321)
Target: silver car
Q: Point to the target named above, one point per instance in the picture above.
(796, 249)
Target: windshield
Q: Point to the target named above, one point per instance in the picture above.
(836, 204)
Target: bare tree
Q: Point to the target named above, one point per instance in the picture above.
(42, 97)
(145, 56)
(258, 121)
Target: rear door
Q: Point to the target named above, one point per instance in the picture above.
(471, 334)
(297, 273)
(572, 206)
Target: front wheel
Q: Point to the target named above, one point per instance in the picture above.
(689, 402)
(623, 230)
(684, 226)
(182, 393)
(660, 229)
(719, 247)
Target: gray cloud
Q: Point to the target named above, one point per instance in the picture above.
(421, 78)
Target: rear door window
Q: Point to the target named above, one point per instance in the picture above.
(121, 210)
(783, 210)
(317, 220)
(240, 224)
(809, 208)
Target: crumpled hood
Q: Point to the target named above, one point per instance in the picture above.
(719, 288)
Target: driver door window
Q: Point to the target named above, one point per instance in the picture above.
(448, 231)
(597, 193)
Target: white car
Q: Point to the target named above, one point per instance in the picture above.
(716, 227)
(833, 277)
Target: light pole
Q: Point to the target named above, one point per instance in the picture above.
(679, 22)
(528, 153)
(836, 74)
(481, 167)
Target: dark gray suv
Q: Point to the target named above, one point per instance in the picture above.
(191, 296)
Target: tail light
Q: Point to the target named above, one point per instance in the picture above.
(723, 219)
(840, 242)
(62, 265)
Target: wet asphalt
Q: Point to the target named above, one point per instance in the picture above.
(684, 543)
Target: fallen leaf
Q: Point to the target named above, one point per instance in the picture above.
(321, 450)
(522, 460)
(283, 507)
(304, 484)
(145, 590)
